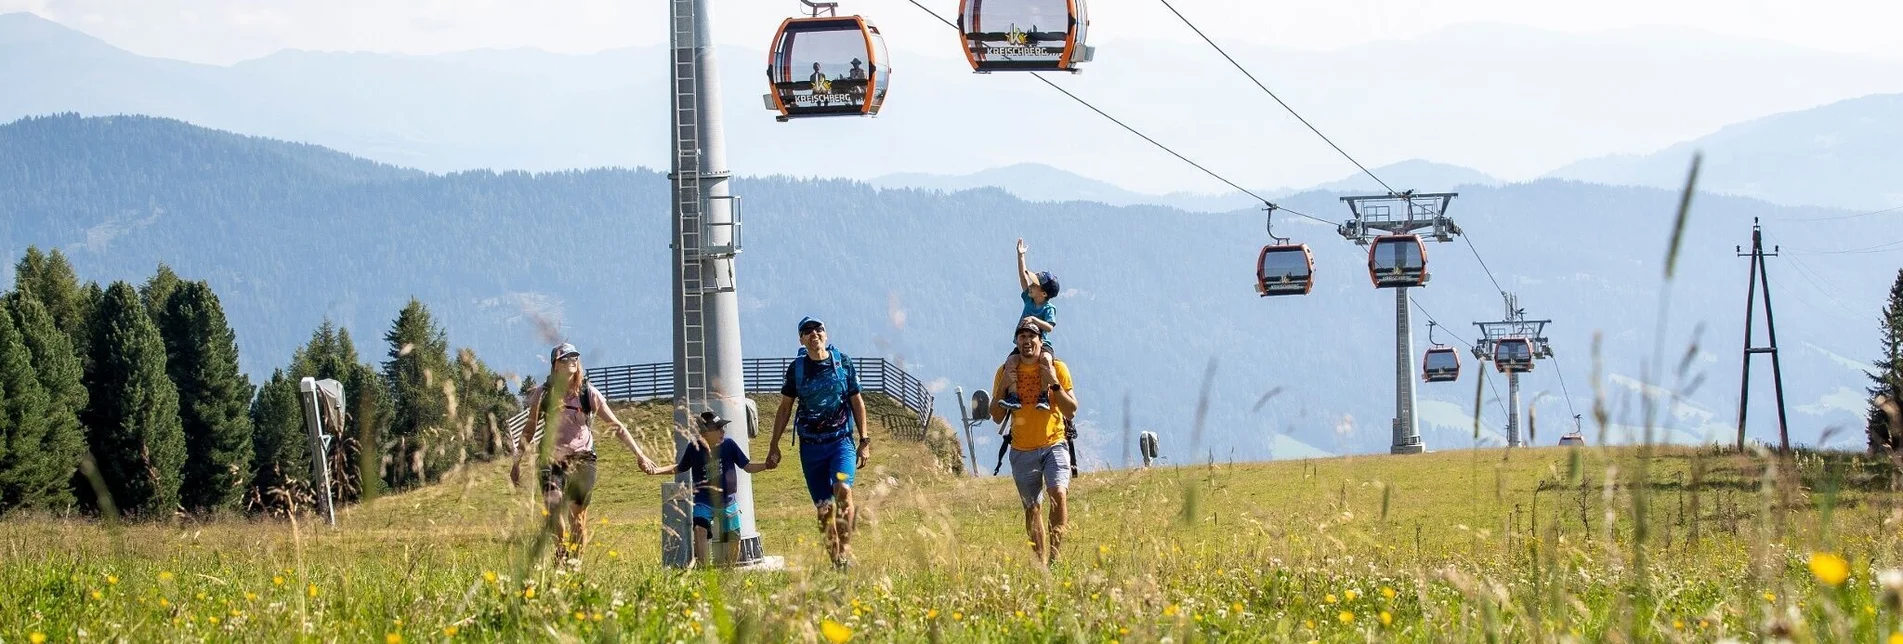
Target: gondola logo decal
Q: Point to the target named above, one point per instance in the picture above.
(1017, 43)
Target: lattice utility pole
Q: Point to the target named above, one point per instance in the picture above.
(1514, 329)
(1403, 213)
(1758, 276)
(708, 372)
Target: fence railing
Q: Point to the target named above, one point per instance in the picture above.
(629, 383)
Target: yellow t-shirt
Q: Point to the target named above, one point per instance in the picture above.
(1033, 428)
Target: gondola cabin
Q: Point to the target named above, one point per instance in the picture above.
(1441, 364)
(1397, 261)
(1023, 35)
(1572, 440)
(1286, 269)
(827, 66)
(1513, 355)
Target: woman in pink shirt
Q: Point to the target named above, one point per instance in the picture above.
(569, 475)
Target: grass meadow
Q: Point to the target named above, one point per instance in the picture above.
(1544, 544)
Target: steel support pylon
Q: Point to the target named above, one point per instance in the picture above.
(708, 371)
(1407, 431)
(1513, 409)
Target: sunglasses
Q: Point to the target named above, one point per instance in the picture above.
(812, 329)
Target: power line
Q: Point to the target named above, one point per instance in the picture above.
(1561, 371)
(1278, 99)
(1879, 248)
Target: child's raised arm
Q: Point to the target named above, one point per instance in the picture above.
(1025, 277)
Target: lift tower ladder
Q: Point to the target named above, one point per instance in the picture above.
(1401, 213)
(1514, 326)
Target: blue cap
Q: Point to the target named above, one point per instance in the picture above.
(562, 350)
(810, 322)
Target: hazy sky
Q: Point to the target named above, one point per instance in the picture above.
(224, 31)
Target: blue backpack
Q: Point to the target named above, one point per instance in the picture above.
(834, 425)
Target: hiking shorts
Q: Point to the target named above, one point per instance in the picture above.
(729, 519)
(827, 463)
(1039, 469)
(572, 477)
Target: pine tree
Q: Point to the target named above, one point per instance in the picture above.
(132, 422)
(26, 476)
(58, 370)
(214, 398)
(417, 371)
(158, 290)
(280, 463)
(1887, 378)
(50, 279)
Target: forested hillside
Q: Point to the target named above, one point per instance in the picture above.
(291, 234)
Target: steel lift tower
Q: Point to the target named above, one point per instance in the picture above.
(1404, 213)
(708, 373)
(1518, 332)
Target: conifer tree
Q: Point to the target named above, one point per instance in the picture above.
(132, 420)
(57, 368)
(49, 278)
(1887, 376)
(157, 290)
(214, 398)
(26, 476)
(280, 465)
(417, 371)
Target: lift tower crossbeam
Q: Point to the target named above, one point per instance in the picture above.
(1514, 326)
(1401, 213)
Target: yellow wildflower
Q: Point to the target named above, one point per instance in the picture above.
(1350, 594)
(835, 632)
(1896, 638)
(36, 638)
(392, 638)
(165, 575)
(1236, 607)
(1829, 568)
(489, 576)
(614, 554)
(1170, 611)
(1328, 598)
(1770, 597)
(528, 593)
(1678, 625)
(112, 580)
(931, 614)
(250, 596)
(957, 616)
(581, 616)
(597, 616)
(311, 591)
(1386, 619)
(277, 580)
(213, 619)
(98, 595)
(1346, 617)
(1388, 592)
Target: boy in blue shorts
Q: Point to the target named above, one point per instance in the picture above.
(822, 383)
(1038, 289)
(698, 459)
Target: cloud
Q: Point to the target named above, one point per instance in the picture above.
(1844, 399)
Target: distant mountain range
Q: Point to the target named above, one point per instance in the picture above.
(1848, 154)
(1037, 182)
(289, 234)
(1514, 102)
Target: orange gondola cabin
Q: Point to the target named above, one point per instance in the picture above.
(1024, 35)
(1284, 269)
(1397, 261)
(827, 66)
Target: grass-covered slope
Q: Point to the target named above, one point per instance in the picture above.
(1530, 545)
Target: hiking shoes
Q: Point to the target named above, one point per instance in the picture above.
(1010, 401)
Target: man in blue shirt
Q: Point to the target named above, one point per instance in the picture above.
(822, 383)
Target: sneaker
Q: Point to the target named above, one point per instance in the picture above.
(1010, 401)
(1044, 401)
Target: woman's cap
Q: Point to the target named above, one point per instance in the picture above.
(562, 350)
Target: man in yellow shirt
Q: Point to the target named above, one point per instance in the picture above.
(1040, 458)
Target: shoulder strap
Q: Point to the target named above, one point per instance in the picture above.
(587, 397)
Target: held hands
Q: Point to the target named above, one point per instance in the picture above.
(773, 457)
(647, 464)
